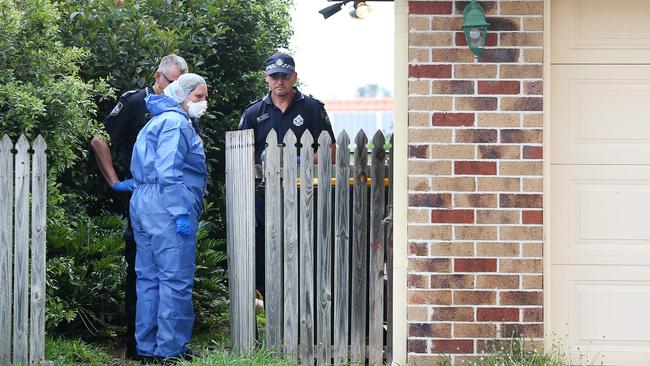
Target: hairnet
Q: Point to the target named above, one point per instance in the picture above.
(183, 86)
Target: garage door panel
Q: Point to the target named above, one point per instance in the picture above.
(602, 311)
(600, 31)
(600, 215)
(604, 113)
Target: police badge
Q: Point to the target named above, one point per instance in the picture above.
(116, 110)
(298, 121)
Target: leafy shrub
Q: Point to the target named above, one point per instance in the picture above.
(40, 88)
(85, 276)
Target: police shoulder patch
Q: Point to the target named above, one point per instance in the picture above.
(126, 94)
(116, 110)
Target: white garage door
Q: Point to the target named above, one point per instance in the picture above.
(600, 179)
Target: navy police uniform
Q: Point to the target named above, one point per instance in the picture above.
(304, 113)
(123, 124)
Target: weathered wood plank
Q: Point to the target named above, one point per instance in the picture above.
(273, 237)
(21, 256)
(341, 251)
(306, 250)
(324, 256)
(6, 246)
(359, 247)
(389, 256)
(39, 204)
(240, 203)
(376, 260)
(291, 315)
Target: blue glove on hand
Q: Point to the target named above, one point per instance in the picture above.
(183, 225)
(127, 185)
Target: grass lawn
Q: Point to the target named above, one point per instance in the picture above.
(72, 352)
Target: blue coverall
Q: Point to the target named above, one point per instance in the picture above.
(168, 166)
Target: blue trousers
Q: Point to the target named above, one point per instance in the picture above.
(164, 266)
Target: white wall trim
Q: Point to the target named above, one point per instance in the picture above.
(400, 184)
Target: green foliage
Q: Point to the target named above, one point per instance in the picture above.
(210, 295)
(85, 276)
(226, 41)
(68, 352)
(40, 89)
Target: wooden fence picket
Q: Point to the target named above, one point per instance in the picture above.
(21, 253)
(6, 247)
(376, 258)
(290, 247)
(359, 247)
(273, 244)
(342, 232)
(324, 249)
(39, 205)
(240, 197)
(341, 251)
(306, 249)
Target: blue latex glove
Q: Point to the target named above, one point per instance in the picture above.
(183, 225)
(127, 185)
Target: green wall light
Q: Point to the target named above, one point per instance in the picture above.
(475, 27)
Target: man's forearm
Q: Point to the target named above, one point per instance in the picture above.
(104, 160)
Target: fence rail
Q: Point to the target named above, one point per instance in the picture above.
(22, 287)
(326, 248)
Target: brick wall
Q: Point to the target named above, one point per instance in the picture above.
(475, 179)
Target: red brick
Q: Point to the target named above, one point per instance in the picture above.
(430, 71)
(534, 315)
(417, 346)
(490, 39)
(521, 298)
(452, 216)
(498, 87)
(452, 346)
(453, 119)
(475, 265)
(520, 200)
(522, 330)
(533, 152)
(429, 330)
(475, 168)
(452, 281)
(419, 151)
(430, 200)
(417, 281)
(497, 314)
(429, 265)
(532, 217)
(430, 7)
(475, 297)
(516, 136)
(446, 313)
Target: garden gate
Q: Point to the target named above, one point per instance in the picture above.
(24, 343)
(336, 314)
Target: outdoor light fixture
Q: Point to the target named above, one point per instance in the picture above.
(475, 27)
(360, 10)
(333, 9)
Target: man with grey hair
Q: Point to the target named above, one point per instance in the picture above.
(123, 124)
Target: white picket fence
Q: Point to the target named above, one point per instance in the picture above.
(337, 224)
(22, 304)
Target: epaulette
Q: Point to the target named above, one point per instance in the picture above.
(314, 98)
(253, 103)
(126, 94)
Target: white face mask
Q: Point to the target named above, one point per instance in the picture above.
(197, 109)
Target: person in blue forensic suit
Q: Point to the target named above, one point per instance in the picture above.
(284, 108)
(170, 175)
(123, 124)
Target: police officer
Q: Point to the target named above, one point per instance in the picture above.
(123, 125)
(284, 108)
